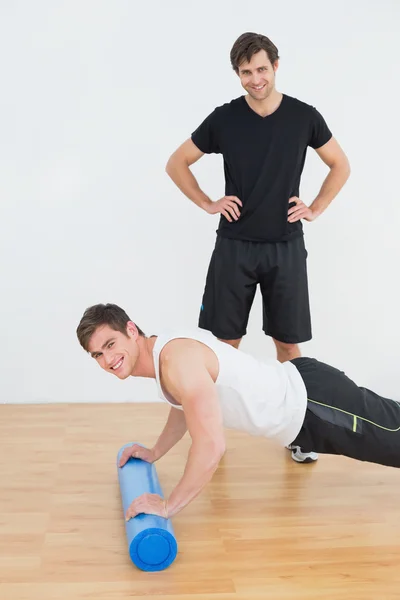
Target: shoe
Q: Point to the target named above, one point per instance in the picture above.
(302, 457)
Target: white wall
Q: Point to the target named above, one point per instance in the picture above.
(96, 94)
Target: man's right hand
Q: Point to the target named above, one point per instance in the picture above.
(136, 451)
(227, 206)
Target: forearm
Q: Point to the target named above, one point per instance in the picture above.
(174, 430)
(335, 180)
(202, 462)
(184, 179)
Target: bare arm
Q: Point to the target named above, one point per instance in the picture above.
(186, 375)
(178, 168)
(333, 156)
(174, 430)
(339, 171)
(188, 379)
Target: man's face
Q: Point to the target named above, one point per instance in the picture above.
(258, 76)
(115, 352)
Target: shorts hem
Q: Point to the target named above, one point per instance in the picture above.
(286, 339)
(223, 336)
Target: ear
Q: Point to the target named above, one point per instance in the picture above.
(131, 330)
(275, 66)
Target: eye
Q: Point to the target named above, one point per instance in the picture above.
(110, 345)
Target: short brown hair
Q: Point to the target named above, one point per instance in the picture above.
(102, 314)
(249, 44)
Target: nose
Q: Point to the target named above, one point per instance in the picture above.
(108, 359)
(257, 80)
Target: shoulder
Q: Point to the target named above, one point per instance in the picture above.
(183, 368)
(178, 350)
(227, 109)
(186, 362)
(299, 106)
(185, 354)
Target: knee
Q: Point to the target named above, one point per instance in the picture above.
(286, 351)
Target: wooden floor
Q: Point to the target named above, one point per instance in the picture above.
(264, 528)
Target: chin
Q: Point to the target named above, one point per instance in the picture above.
(123, 375)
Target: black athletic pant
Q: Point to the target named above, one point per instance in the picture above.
(342, 418)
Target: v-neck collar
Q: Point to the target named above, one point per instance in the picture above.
(267, 117)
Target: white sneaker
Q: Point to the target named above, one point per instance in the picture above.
(302, 457)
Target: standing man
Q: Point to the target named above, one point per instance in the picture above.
(263, 137)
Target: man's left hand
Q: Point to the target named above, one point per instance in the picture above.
(150, 504)
(300, 211)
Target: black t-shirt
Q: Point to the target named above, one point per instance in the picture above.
(263, 161)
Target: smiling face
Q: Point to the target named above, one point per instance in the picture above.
(114, 351)
(258, 76)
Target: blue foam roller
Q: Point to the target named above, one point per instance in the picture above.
(151, 539)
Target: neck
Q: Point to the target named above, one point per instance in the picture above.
(268, 105)
(144, 366)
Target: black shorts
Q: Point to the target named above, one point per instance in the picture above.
(343, 418)
(235, 269)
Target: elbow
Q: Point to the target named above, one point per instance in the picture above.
(176, 165)
(348, 170)
(344, 167)
(168, 166)
(341, 169)
(212, 451)
(221, 448)
(172, 164)
(218, 451)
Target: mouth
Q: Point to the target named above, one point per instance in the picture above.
(258, 88)
(117, 365)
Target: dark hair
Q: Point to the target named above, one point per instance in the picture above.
(249, 44)
(102, 314)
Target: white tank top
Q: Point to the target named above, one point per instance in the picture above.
(265, 398)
